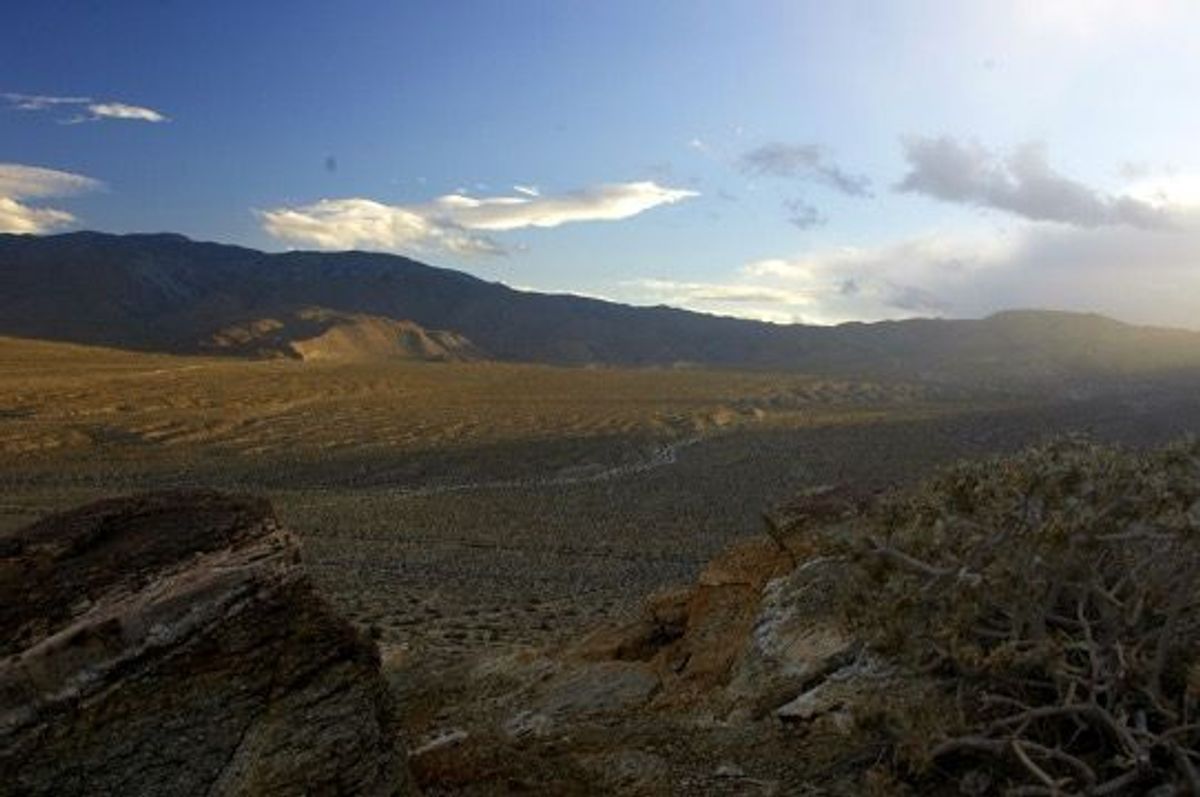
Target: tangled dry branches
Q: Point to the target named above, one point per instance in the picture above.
(1055, 598)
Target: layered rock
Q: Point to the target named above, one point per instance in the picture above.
(172, 644)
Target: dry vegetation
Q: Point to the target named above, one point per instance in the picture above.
(1053, 599)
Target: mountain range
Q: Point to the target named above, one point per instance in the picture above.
(166, 293)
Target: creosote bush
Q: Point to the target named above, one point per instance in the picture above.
(1052, 599)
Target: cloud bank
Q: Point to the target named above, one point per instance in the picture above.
(83, 109)
(19, 182)
(1023, 183)
(1131, 273)
(1133, 254)
(456, 223)
(895, 280)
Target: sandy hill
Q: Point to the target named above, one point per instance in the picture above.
(314, 333)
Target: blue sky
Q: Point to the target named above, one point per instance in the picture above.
(790, 161)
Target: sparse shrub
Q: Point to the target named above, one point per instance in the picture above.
(1052, 597)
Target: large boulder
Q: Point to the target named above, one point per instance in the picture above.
(172, 644)
(797, 639)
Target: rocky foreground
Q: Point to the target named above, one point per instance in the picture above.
(1028, 625)
(746, 682)
(1021, 626)
(172, 644)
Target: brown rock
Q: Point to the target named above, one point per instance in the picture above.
(663, 620)
(171, 644)
(668, 609)
(718, 615)
(751, 562)
(598, 688)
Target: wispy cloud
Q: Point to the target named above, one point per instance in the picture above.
(457, 222)
(688, 293)
(802, 215)
(608, 202)
(1022, 183)
(808, 162)
(33, 182)
(83, 109)
(19, 182)
(743, 299)
(38, 102)
(121, 110)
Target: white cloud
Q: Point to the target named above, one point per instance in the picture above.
(33, 182)
(364, 223)
(688, 293)
(601, 203)
(742, 299)
(89, 110)
(1178, 192)
(19, 182)
(120, 110)
(1024, 184)
(455, 222)
(16, 217)
(900, 279)
(527, 190)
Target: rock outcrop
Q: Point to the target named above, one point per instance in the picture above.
(746, 682)
(1021, 625)
(172, 644)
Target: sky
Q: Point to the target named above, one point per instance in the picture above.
(788, 161)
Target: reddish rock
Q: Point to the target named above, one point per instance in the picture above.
(751, 562)
(663, 620)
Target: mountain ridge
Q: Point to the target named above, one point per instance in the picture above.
(164, 292)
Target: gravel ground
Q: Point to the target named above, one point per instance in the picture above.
(529, 542)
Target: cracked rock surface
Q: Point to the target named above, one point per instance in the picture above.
(172, 644)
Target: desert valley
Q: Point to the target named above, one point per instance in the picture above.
(460, 508)
(746, 398)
